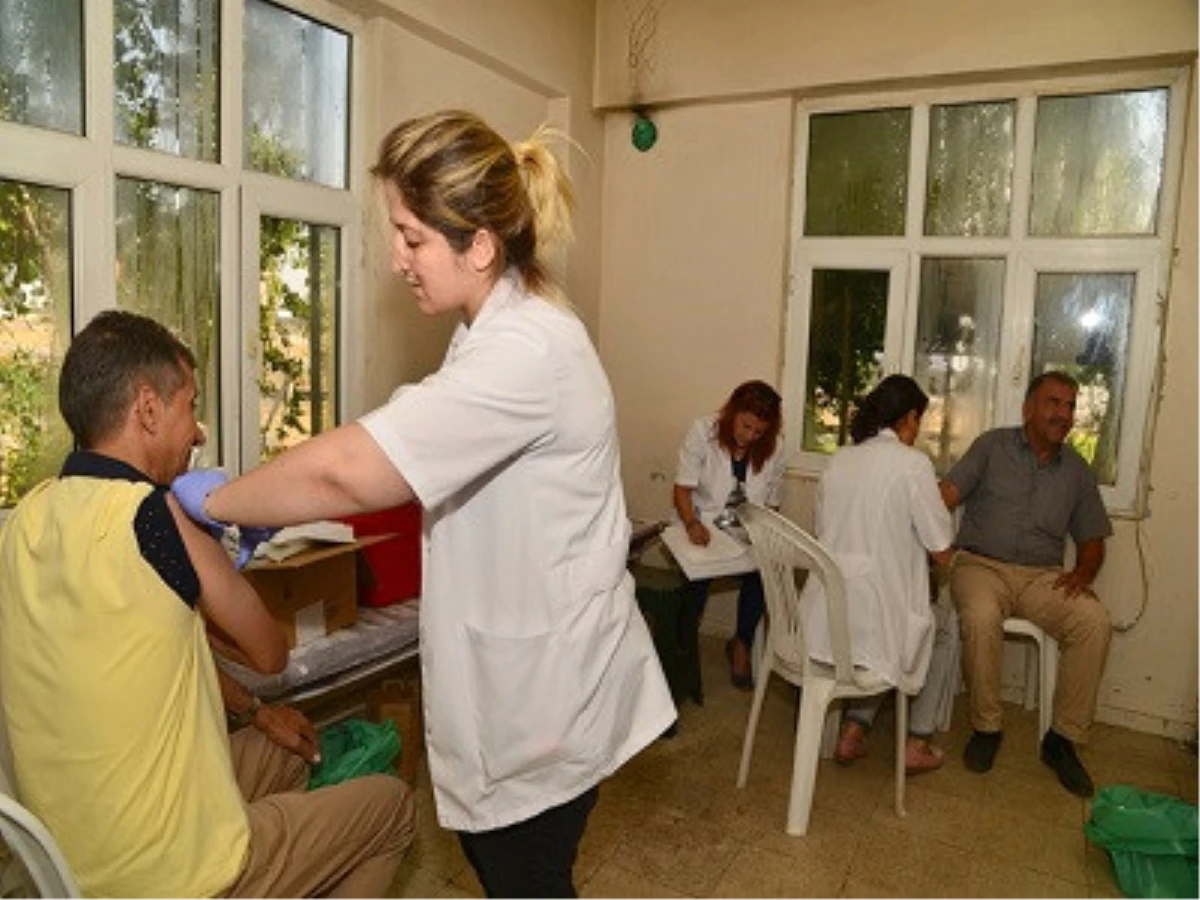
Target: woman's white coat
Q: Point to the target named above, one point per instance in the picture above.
(539, 674)
(878, 511)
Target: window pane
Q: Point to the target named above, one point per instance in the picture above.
(1081, 326)
(35, 326)
(857, 173)
(295, 97)
(968, 190)
(298, 304)
(167, 62)
(41, 63)
(845, 351)
(1098, 164)
(958, 338)
(168, 269)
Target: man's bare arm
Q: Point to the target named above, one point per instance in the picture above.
(1089, 557)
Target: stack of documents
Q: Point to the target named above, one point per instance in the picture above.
(723, 555)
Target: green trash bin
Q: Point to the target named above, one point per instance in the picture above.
(667, 603)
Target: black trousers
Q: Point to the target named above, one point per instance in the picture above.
(534, 858)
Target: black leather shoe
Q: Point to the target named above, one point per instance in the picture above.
(980, 752)
(1059, 754)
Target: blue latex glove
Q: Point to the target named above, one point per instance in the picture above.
(249, 538)
(191, 489)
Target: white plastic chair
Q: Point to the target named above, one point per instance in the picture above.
(30, 842)
(1041, 670)
(781, 547)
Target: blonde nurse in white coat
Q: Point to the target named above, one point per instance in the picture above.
(539, 674)
(881, 515)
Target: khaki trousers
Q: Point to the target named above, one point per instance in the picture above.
(986, 592)
(345, 840)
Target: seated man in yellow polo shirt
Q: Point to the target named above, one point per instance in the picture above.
(108, 687)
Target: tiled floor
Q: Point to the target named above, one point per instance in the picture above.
(672, 823)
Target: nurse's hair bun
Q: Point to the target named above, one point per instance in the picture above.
(550, 193)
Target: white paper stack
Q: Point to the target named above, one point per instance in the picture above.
(723, 555)
(295, 538)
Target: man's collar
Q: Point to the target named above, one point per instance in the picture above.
(1023, 437)
(89, 464)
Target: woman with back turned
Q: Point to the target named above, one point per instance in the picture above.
(881, 515)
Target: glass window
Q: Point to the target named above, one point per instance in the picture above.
(957, 352)
(161, 233)
(35, 326)
(166, 72)
(974, 304)
(168, 268)
(296, 91)
(1081, 326)
(857, 173)
(845, 350)
(968, 189)
(298, 301)
(41, 63)
(1098, 164)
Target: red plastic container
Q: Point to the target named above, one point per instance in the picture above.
(395, 564)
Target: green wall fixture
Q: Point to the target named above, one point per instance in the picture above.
(644, 133)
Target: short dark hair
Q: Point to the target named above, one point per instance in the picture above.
(1053, 375)
(104, 365)
(893, 399)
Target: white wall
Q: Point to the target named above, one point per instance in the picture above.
(693, 279)
(518, 64)
(684, 316)
(702, 49)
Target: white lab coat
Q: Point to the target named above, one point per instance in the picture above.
(878, 512)
(540, 678)
(706, 467)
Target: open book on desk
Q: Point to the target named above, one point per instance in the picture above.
(724, 554)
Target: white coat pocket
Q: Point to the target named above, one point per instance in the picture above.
(526, 702)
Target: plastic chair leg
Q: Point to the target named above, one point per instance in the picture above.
(901, 742)
(1047, 683)
(814, 701)
(759, 652)
(1033, 662)
(760, 691)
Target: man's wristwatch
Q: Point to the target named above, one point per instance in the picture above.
(247, 715)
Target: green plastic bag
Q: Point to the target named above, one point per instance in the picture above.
(1151, 838)
(352, 748)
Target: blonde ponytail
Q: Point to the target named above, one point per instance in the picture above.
(548, 187)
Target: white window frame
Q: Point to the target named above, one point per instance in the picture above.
(89, 165)
(1148, 257)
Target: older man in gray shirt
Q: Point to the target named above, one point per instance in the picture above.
(1024, 491)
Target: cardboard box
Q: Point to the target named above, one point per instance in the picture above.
(313, 593)
(400, 702)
